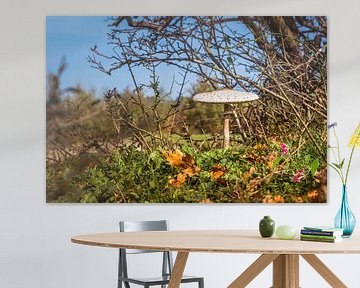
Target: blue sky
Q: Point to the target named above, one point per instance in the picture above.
(72, 37)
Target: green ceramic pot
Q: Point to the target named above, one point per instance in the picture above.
(266, 227)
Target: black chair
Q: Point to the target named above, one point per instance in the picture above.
(167, 265)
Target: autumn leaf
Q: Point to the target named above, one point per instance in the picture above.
(217, 171)
(179, 181)
(270, 199)
(217, 174)
(299, 200)
(186, 162)
(191, 171)
(206, 201)
(175, 183)
(279, 199)
(313, 195)
(248, 174)
(273, 161)
(174, 158)
(181, 177)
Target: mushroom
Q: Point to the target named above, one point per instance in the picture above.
(226, 97)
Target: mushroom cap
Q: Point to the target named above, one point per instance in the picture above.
(225, 96)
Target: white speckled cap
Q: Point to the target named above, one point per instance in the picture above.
(225, 96)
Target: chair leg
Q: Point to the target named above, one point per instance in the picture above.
(201, 283)
(126, 284)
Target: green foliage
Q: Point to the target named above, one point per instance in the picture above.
(246, 174)
(314, 166)
(112, 150)
(125, 176)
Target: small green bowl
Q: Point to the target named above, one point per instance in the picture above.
(285, 232)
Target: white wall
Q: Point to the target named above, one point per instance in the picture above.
(35, 248)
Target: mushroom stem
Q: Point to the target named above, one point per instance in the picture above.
(227, 126)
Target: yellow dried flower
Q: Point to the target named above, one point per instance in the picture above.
(355, 138)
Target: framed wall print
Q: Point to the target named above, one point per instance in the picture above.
(186, 109)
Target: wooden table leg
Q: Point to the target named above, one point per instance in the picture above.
(178, 270)
(253, 270)
(324, 271)
(286, 271)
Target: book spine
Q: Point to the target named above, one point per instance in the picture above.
(318, 239)
(320, 233)
(319, 236)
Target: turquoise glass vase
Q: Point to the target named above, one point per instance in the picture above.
(345, 219)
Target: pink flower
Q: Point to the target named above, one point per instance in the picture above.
(298, 176)
(284, 148)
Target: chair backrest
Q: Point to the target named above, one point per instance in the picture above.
(134, 226)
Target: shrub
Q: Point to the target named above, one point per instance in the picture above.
(259, 173)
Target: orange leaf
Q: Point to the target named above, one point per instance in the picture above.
(217, 174)
(276, 199)
(179, 181)
(175, 183)
(191, 171)
(279, 199)
(181, 177)
(206, 201)
(251, 171)
(217, 171)
(174, 158)
(268, 199)
(271, 158)
(313, 195)
(299, 199)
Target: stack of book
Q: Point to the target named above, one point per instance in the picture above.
(321, 234)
